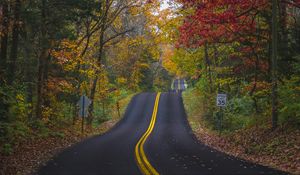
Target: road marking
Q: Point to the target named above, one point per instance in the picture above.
(173, 85)
(141, 158)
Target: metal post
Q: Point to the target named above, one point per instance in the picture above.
(220, 120)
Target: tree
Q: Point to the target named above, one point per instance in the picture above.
(15, 42)
(4, 38)
(274, 64)
(248, 35)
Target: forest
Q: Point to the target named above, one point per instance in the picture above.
(249, 50)
(52, 52)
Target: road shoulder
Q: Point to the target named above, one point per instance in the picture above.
(255, 144)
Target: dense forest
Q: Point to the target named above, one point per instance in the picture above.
(246, 49)
(249, 50)
(52, 52)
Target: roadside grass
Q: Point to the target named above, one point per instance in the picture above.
(254, 142)
(193, 107)
(37, 148)
(123, 105)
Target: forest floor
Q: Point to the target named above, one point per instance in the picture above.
(30, 154)
(279, 149)
(35, 151)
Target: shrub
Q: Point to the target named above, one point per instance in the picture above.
(7, 149)
(289, 106)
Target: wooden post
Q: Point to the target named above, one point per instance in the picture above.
(118, 108)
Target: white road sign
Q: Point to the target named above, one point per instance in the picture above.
(84, 104)
(221, 100)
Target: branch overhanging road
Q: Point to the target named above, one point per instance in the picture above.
(154, 137)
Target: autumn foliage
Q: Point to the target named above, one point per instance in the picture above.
(220, 21)
(226, 46)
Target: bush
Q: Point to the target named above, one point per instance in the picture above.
(289, 106)
(238, 113)
(7, 149)
(240, 106)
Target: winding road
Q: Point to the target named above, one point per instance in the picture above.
(153, 137)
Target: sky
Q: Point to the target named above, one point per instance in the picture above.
(165, 5)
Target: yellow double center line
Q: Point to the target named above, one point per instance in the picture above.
(141, 158)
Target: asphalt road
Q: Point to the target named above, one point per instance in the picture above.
(156, 125)
(178, 85)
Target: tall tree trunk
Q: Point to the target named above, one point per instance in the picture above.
(4, 106)
(46, 100)
(92, 98)
(208, 68)
(28, 72)
(99, 62)
(15, 43)
(4, 40)
(78, 67)
(285, 58)
(42, 58)
(216, 55)
(94, 85)
(274, 64)
(283, 26)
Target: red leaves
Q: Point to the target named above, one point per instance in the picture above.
(219, 21)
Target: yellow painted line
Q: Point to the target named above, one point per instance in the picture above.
(141, 158)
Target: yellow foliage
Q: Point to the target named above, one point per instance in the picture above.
(121, 80)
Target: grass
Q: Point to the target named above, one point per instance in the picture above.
(123, 105)
(255, 143)
(193, 105)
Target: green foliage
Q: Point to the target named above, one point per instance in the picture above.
(57, 134)
(40, 128)
(192, 101)
(290, 102)
(240, 106)
(60, 113)
(7, 149)
(238, 114)
(14, 107)
(15, 111)
(106, 108)
(13, 133)
(232, 122)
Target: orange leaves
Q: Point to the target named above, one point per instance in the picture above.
(168, 53)
(259, 87)
(57, 85)
(66, 52)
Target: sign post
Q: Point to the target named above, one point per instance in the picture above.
(84, 103)
(221, 102)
